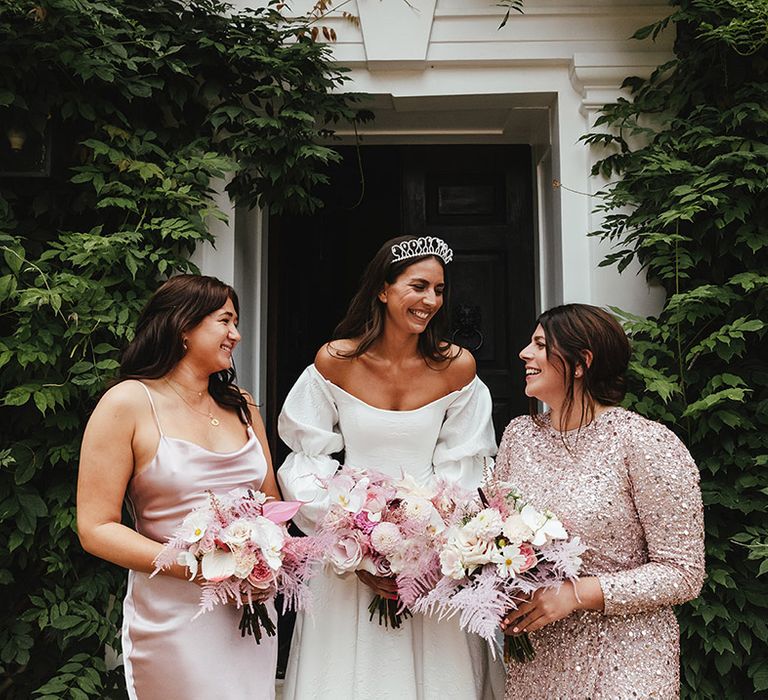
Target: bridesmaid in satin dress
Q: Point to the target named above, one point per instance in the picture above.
(629, 488)
(173, 427)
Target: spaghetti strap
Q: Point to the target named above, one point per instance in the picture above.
(154, 410)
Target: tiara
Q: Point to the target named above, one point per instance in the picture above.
(426, 245)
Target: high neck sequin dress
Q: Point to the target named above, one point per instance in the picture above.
(337, 653)
(167, 654)
(630, 489)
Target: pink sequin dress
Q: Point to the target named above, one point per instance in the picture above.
(630, 489)
(167, 654)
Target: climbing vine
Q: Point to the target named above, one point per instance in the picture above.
(134, 107)
(692, 207)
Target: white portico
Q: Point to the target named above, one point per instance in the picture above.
(442, 72)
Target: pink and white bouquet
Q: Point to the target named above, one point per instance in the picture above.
(240, 545)
(388, 528)
(500, 552)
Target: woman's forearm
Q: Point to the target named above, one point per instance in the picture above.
(125, 547)
(589, 594)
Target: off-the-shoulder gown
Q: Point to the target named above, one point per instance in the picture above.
(337, 652)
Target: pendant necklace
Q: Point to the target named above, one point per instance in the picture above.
(209, 414)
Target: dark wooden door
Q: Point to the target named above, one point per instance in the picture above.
(479, 200)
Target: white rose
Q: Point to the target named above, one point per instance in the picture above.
(473, 550)
(237, 533)
(451, 564)
(515, 529)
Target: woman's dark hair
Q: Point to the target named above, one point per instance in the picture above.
(570, 331)
(365, 316)
(175, 308)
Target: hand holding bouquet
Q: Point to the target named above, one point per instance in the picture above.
(497, 555)
(240, 545)
(389, 529)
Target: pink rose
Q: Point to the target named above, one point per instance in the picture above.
(530, 557)
(346, 553)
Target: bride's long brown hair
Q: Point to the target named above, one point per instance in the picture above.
(365, 316)
(175, 308)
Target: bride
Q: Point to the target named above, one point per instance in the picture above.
(395, 397)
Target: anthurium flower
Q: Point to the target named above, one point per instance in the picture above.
(218, 565)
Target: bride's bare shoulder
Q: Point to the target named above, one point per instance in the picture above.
(332, 359)
(461, 369)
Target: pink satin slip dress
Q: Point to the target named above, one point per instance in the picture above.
(167, 654)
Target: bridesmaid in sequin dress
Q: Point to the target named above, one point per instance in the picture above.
(629, 488)
(174, 427)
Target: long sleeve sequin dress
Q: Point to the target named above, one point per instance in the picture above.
(630, 489)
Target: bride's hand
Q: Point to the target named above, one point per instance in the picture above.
(384, 586)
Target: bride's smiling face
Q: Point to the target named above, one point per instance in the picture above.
(415, 296)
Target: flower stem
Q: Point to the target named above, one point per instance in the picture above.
(390, 614)
(518, 648)
(255, 619)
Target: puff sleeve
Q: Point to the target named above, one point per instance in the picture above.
(664, 481)
(466, 443)
(308, 424)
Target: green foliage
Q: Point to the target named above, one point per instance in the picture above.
(145, 103)
(692, 206)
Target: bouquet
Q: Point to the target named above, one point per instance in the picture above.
(240, 544)
(500, 552)
(388, 528)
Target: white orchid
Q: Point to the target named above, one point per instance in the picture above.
(408, 486)
(193, 527)
(269, 537)
(544, 525)
(344, 492)
(190, 561)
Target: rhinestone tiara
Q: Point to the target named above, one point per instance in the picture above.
(426, 245)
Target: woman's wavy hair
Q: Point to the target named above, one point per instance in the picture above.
(176, 307)
(366, 313)
(570, 331)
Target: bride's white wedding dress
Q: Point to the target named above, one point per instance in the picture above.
(337, 652)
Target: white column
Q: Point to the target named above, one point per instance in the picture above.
(597, 79)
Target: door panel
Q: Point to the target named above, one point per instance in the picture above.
(479, 200)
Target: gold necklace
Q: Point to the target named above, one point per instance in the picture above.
(213, 420)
